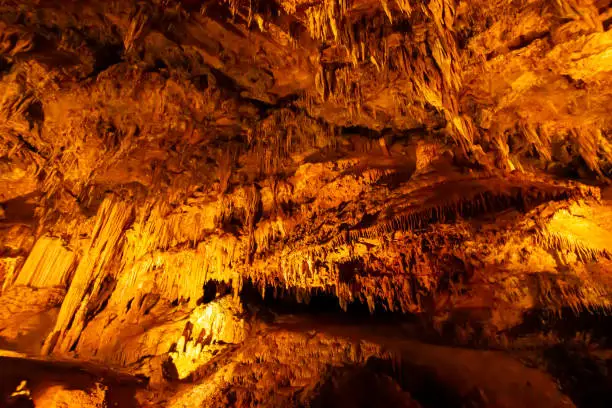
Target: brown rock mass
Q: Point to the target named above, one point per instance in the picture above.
(306, 203)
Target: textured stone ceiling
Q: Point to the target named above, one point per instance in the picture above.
(165, 165)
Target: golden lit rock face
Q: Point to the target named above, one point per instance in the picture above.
(59, 397)
(208, 332)
(169, 168)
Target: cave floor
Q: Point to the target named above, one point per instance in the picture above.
(402, 371)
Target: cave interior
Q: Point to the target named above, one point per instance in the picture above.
(305, 203)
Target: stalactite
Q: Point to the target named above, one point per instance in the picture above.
(268, 232)
(539, 140)
(560, 243)
(477, 204)
(181, 274)
(135, 29)
(385, 6)
(253, 203)
(9, 268)
(112, 219)
(49, 264)
(224, 170)
(299, 273)
(404, 6)
(578, 293)
(592, 147)
(325, 21)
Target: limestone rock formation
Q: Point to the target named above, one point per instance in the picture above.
(277, 202)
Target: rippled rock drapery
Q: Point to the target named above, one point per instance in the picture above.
(443, 159)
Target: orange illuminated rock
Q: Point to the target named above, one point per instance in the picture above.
(176, 177)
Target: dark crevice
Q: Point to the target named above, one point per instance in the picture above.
(522, 41)
(584, 377)
(565, 325)
(421, 382)
(35, 113)
(5, 66)
(214, 289)
(571, 359)
(388, 382)
(324, 304)
(105, 57)
(31, 147)
(360, 131)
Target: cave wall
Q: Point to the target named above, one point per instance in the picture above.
(447, 159)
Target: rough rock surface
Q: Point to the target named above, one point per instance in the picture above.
(59, 397)
(173, 173)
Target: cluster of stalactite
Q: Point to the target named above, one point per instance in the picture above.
(94, 266)
(49, 264)
(395, 282)
(137, 254)
(578, 293)
(425, 60)
(381, 163)
(470, 206)
(284, 134)
(562, 243)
